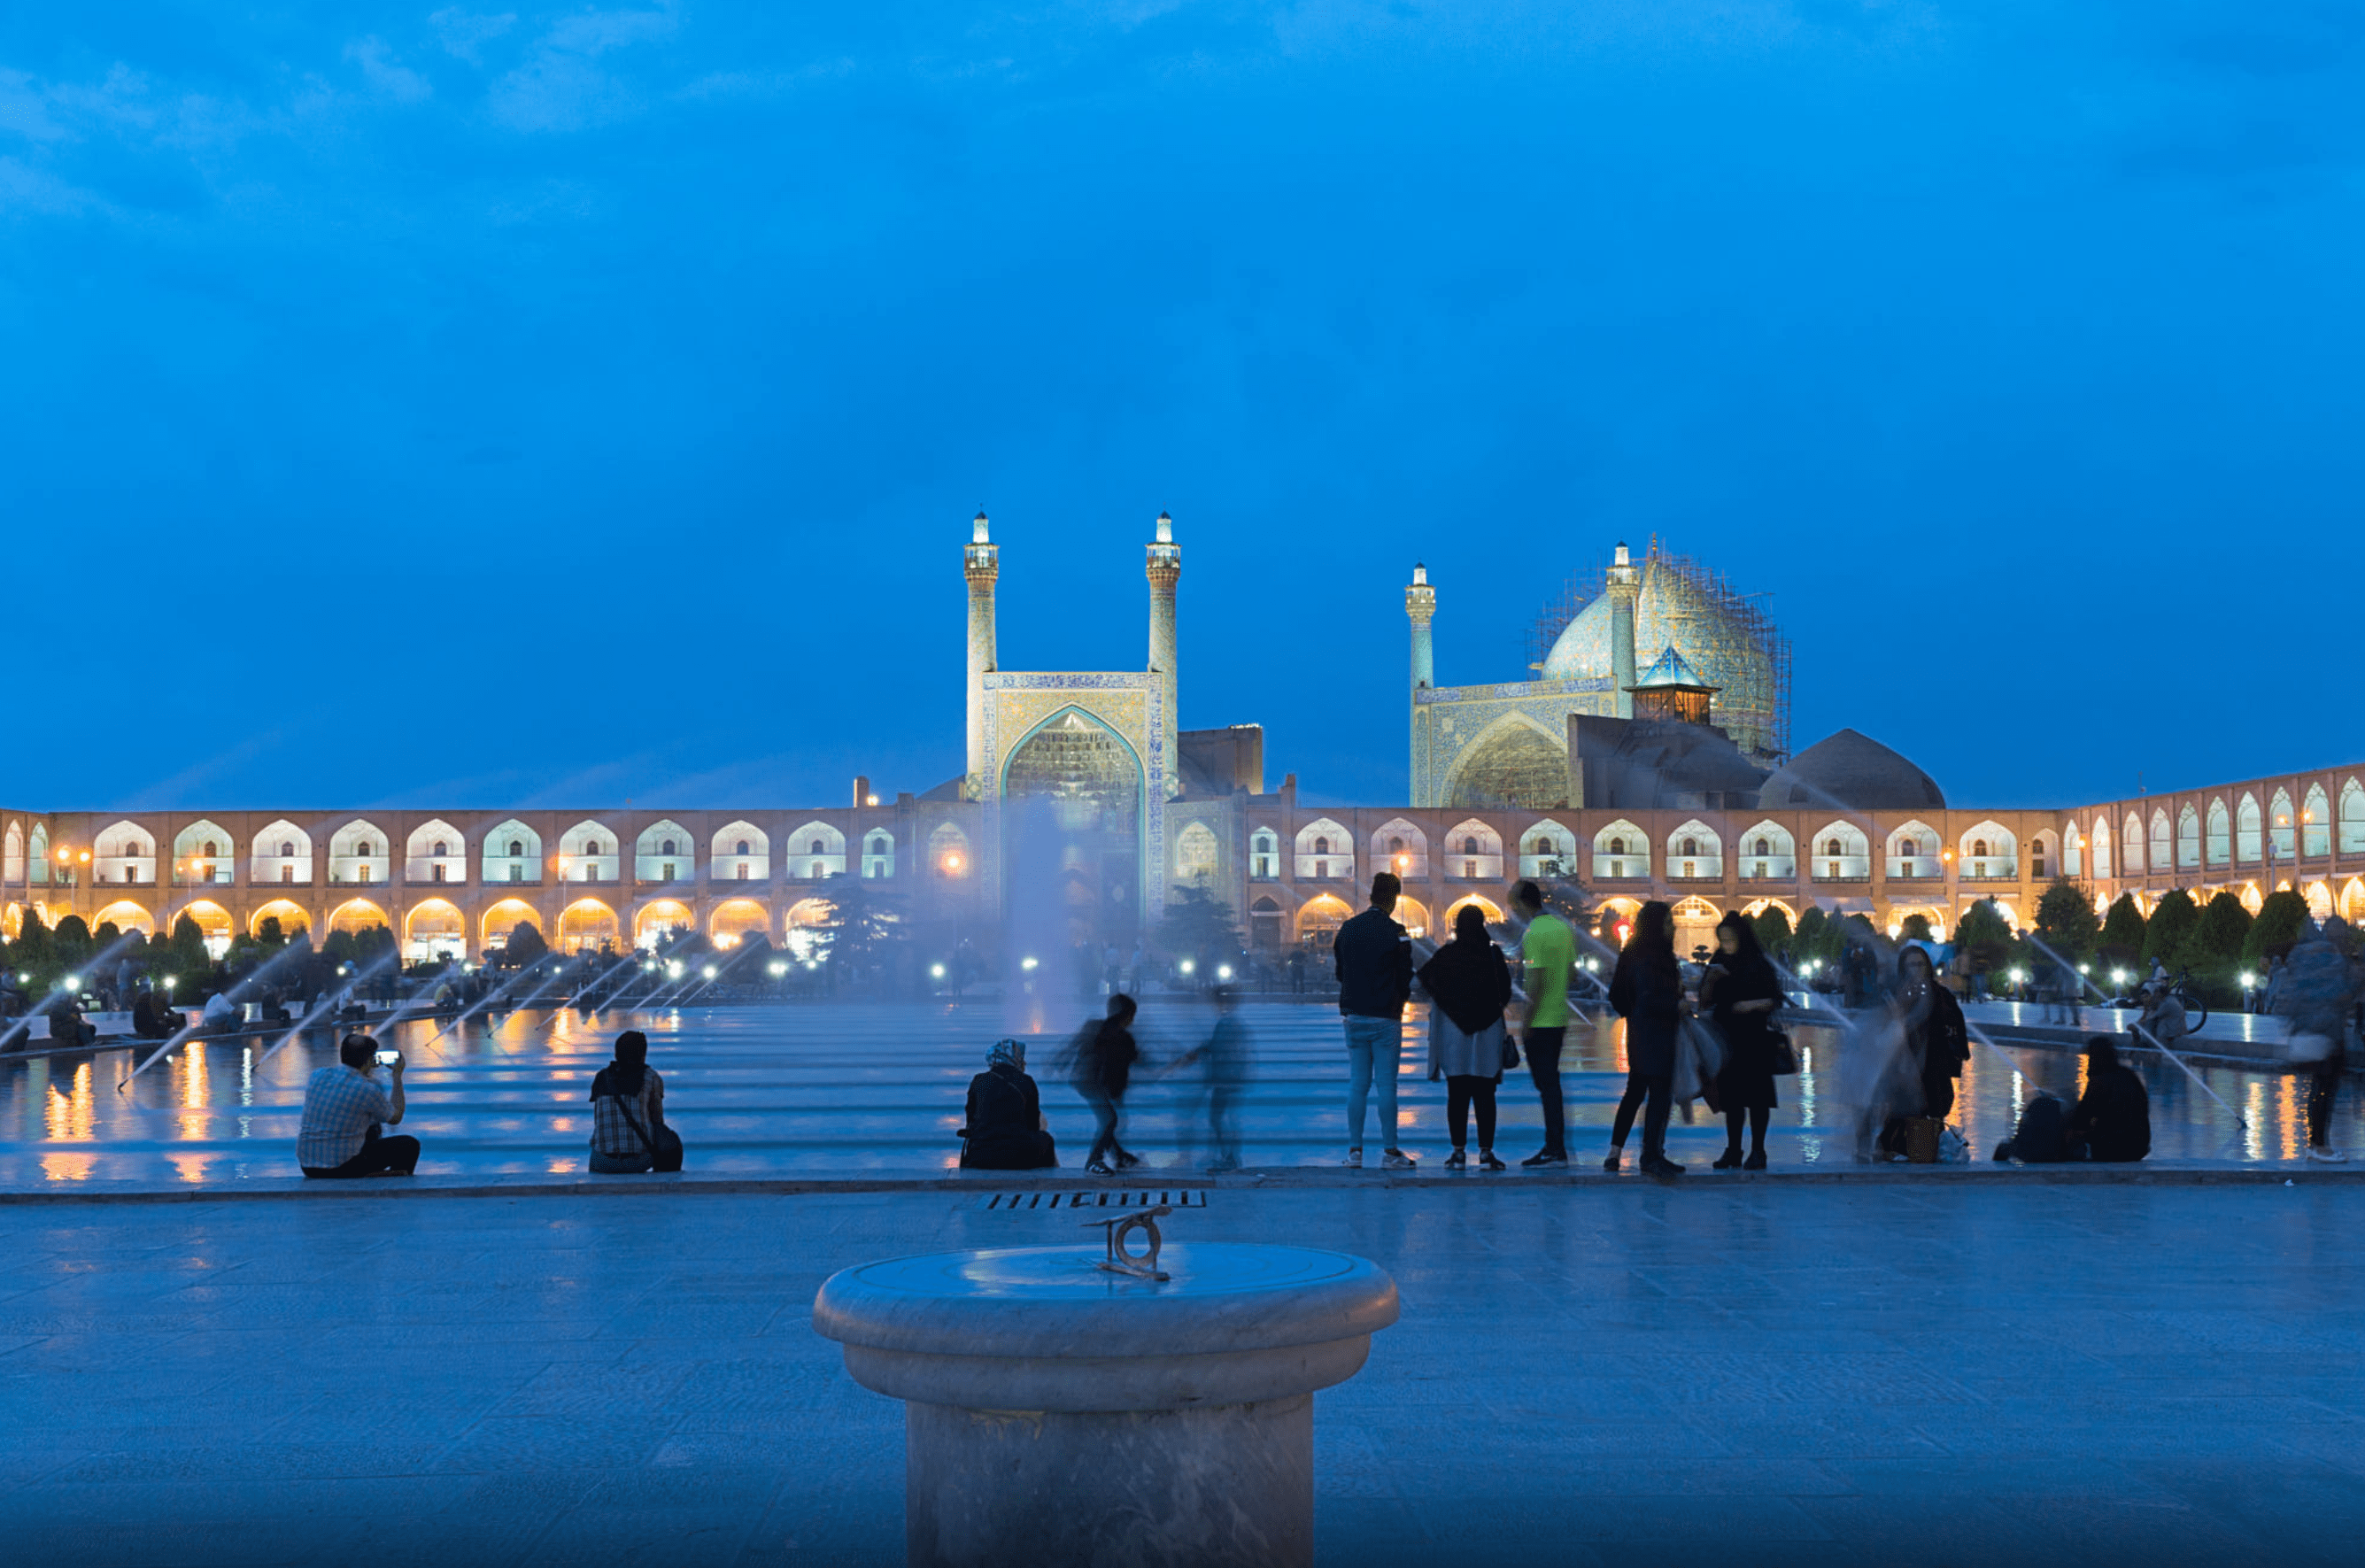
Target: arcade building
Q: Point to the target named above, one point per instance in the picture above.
(1647, 757)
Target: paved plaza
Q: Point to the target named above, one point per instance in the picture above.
(1714, 1375)
(848, 1090)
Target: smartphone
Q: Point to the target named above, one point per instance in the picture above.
(387, 1059)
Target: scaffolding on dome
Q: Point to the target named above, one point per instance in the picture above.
(1735, 619)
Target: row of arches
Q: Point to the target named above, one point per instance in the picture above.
(436, 928)
(2244, 831)
(360, 852)
(1325, 850)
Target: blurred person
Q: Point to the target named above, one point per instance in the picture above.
(629, 1136)
(151, 1019)
(1469, 984)
(346, 1109)
(67, 1027)
(2112, 1120)
(1223, 1063)
(1547, 955)
(220, 1013)
(1647, 990)
(1373, 956)
(1742, 991)
(1103, 1061)
(2317, 990)
(1933, 1042)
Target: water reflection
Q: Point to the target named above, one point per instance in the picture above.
(855, 1087)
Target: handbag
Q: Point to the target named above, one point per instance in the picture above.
(1783, 1054)
(665, 1156)
(1510, 1051)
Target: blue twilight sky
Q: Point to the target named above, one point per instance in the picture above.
(540, 406)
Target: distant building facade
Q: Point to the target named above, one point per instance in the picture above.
(1080, 797)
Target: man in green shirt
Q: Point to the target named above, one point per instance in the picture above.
(1549, 951)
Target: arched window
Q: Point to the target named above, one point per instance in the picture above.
(1692, 846)
(517, 846)
(591, 848)
(1979, 848)
(1321, 847)
(819, 847)
(1470, 846)
(440, 847)
(1616, 847)
(1832, 847)
(743, 847)
(286, 849)
(665, 848)
(1396, 847)
(208, 850)
(363, 847)
(1765, 847)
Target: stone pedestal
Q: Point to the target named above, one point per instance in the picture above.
(1058, 1413)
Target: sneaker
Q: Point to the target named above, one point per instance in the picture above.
(2326, 1155)
(1757, 1160)
(1487, 1160)
(1099, 1168)
(1354, 1159)
(1397, 1160)
(1126, 1161)
(1660, 1165)
(1542, 1157)
(1456, 1160)
(1610, 1164)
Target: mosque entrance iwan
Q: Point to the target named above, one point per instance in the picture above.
(1072, 800)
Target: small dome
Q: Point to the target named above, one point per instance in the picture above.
(1854, 771)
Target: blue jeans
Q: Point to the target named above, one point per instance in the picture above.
(1374, 1047)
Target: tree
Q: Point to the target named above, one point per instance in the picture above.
(189, 955)
(862, 931)
(2065, 920)
(1818, 939)
(1773, 934)
(2123, 933)
(525, 946)
(269, 934)
(1985, 935)
(2169, 928)
(1200, 927)
(2278, 922)
(1915, 927)
(2213, 951)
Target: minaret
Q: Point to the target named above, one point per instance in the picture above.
(1420, 605)
(1625, 581)
(1165, 567)
(982, 563)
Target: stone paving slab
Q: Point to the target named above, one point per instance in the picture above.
(1836, 1373)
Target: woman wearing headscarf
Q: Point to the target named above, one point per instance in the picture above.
(1742, 991)
(629, 1135)
(1936, 1042)
(1470, 984)
(1004, 1130)
(1647, 990)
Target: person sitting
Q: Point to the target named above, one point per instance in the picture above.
(344, 1107)
(67, 1028)
(274, 1006)
(2042, 1135)
(1005, 1128)
(629, 1136)
(151, 1019)
(2113, 1121)
(221, 1014)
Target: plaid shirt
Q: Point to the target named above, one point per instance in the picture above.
(611, 1134)
(340, 1107)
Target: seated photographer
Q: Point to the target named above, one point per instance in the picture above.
(1006, 1129)
(343, 1106)
(66, 1025)
(629, 1136)
(151, 1019)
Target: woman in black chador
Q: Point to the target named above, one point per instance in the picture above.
(1647, 990)
(1742, 991)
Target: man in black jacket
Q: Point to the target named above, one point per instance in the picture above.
(1375, 959)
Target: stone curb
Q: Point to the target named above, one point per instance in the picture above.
(1280, 1179)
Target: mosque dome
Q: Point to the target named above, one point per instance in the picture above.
(1850, 770)
(1727, 644)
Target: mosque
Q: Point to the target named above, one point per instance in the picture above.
(1647, 758)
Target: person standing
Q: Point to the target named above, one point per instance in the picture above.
(1647, 990)
(1470, 984)
(1223, 1063)
(1742, 991)
(2316, 989)
(1547, 952)
(1104, 1061)
(1935, 1042)
(1373, 956)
